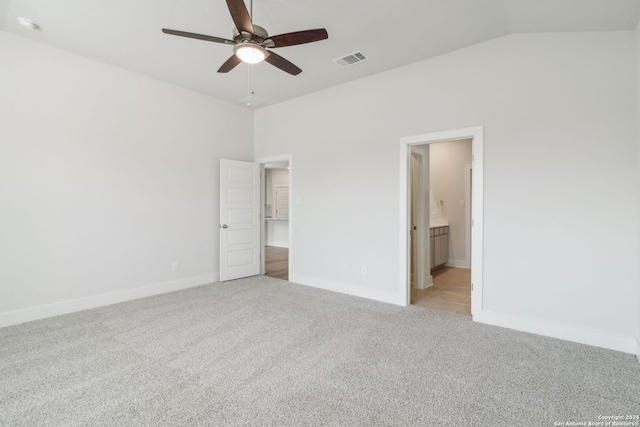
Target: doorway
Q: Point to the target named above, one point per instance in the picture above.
(277, 214)
(439, 206)
(435, 212)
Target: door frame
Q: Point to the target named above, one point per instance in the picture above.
(468, 174)
(263, 235)
(477, 150)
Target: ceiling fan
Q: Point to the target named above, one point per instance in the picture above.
(250, 42)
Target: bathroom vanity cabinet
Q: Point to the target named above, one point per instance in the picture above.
(439, 246)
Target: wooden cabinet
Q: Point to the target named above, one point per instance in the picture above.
(441, 249)
(439, 246)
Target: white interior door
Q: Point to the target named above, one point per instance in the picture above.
(239, 219)
(416, 233)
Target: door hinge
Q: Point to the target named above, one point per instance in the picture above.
(471, 286)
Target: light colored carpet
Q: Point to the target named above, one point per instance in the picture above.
(262, 351)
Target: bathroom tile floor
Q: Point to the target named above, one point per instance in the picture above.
(451, 291)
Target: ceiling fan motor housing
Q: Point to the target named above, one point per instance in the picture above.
(259, 35)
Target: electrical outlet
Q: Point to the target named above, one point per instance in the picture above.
(175, 266)
(364, 270)
(345, 269)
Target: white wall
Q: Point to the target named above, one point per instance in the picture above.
(560, 226)
(447, 167)
(277, 233)
(106, 178)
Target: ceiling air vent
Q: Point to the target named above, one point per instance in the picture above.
(351, 59)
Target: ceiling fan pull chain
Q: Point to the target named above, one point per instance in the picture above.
(249, 67)
(250, 91)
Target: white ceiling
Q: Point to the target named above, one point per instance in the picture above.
(126, 33)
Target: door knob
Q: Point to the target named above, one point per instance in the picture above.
(224, 226)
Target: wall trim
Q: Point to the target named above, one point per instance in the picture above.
(347, 288)
(428, 279)
(277, 243)
(578, 334)
(458, 263)
(65, 307)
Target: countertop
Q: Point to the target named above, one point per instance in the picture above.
(439, 223)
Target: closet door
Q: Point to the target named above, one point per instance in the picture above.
(239, 219)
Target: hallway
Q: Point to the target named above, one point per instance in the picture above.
(276, 262)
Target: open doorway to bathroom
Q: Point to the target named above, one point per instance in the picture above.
(440, 189)
(276, 216)
(443, 182)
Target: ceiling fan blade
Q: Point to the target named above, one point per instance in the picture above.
(240, 15)
(299, 37)
(279, 62)
(198, 36)
(229, 64)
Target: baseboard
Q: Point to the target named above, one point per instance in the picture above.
(562, 331)
(347, 288)
(66, 307)
(425, 287)
(459, 263)
(428, 281)
(278, 244)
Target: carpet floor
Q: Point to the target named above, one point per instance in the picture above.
(262, 351)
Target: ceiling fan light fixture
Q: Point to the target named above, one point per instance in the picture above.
(250, 53)
(28, 24)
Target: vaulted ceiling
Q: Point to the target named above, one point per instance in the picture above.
(127, 34)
